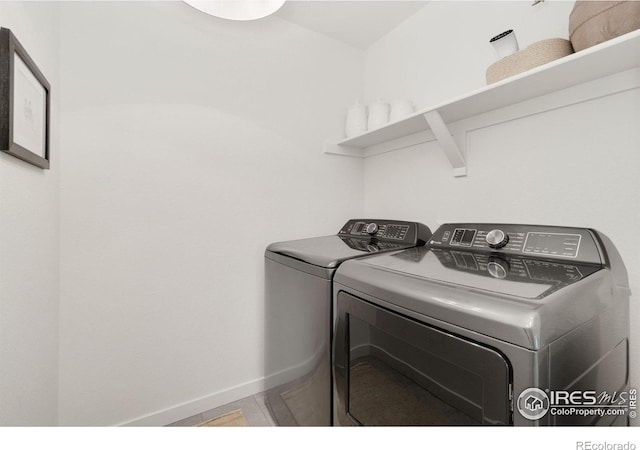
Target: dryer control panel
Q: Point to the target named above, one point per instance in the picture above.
(576, 244)
(411, 233)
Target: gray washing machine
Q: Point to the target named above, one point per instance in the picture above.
(298, 317)
(487, 324)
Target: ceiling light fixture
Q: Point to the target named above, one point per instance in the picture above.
(237, 9)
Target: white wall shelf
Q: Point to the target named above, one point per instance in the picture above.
(613, 57)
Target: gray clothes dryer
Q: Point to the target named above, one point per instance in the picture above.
(486, 324)
(298, 316)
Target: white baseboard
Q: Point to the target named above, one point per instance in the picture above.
(193, 407)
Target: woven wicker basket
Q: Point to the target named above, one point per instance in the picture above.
(591, 22)
(534, 55)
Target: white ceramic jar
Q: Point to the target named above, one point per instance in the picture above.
(400, 109)
(356, 123)
(378, 114)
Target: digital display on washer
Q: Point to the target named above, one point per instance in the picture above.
(553, 244)
(463, 237)
(394, 231)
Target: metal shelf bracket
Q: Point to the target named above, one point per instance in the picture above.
(447, 143)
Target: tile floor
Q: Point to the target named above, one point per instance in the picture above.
(253, 408)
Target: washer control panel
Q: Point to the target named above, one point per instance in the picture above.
(534, 240)
(388, 230)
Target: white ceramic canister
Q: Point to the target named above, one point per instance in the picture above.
(356, 120)
(378, 114)
(505, 43)
(400, 109)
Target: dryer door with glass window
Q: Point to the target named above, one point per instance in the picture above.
(393, 370)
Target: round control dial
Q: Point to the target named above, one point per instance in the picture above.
(372, 228)
(497, 238)
(498, 268)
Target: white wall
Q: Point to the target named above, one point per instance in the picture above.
(573, 166)
(29, 246)
(190, 144)
(443, 50)
(181, 132)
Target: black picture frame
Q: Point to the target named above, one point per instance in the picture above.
(25, 103)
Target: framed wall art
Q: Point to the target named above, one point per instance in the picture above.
(24, 104)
